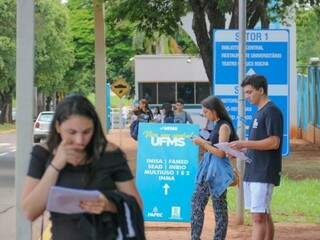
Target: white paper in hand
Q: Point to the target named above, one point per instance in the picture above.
(67, 200)
(224, 146)
(205, 134)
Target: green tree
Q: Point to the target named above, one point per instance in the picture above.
(186, 43)
(119, 48)
(164, 16)
(308, 45)
(164, 44)
(7, 58)
(80, 77)
(54, 51)
(123, 42)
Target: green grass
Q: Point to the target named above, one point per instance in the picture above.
(7, 127)
(293, 201)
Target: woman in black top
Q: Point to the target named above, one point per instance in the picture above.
(168, 113)
(77, 155)
(207, 182)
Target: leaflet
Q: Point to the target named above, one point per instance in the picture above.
(67, 200)
(205, 134)
(224, 146)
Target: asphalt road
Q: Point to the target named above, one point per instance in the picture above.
(7, 194)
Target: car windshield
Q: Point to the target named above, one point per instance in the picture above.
(46, 117)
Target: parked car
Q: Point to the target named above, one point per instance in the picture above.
(42, 126)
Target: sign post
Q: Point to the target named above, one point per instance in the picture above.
(241, 104)
(167, 163)
(267, 54)
(121, 88)
(108, 106)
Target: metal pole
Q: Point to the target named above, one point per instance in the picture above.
(108, 107)
(120, 121)
(24, 95)
(241, 106)
(100, 61)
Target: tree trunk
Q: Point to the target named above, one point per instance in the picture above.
(216, 18)
(265, 21)
(234, 23)
(199, 27)
(48, 103)
(5, 107)
(256, 10)
(201, 9)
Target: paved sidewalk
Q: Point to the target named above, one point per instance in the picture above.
(181, 231)
(154, 231)
(7, 214)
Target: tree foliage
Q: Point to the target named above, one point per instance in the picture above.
(81, 75)
(119, 48)
(164, 16)
(53, 46)
(308, 45)
(7, 57)
(123, 41)
(7, 44)
(151, 15)
(53, 50)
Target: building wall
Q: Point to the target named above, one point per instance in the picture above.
(169, 68)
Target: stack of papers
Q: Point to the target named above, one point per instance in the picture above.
(224, 146)
(67, 200)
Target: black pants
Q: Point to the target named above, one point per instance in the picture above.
(199, 201)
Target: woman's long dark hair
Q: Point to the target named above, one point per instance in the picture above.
(78, 105)
(168, 112)
(214, 103)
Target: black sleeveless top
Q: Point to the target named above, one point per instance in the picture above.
(214, 135)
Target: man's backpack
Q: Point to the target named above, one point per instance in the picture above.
(134, 128)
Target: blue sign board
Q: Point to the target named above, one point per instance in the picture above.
(267, 54)
(166, 170)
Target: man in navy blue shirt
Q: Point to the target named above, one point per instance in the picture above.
(264, 148)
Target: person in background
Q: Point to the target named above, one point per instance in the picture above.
(143, 112)
(263, 147)
(168, 114)
(77, 155)
(157, 117)
(215, 172)
(124, 116)
(180, 115)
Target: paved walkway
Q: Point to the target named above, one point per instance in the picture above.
(157, 231)
(181, 231)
